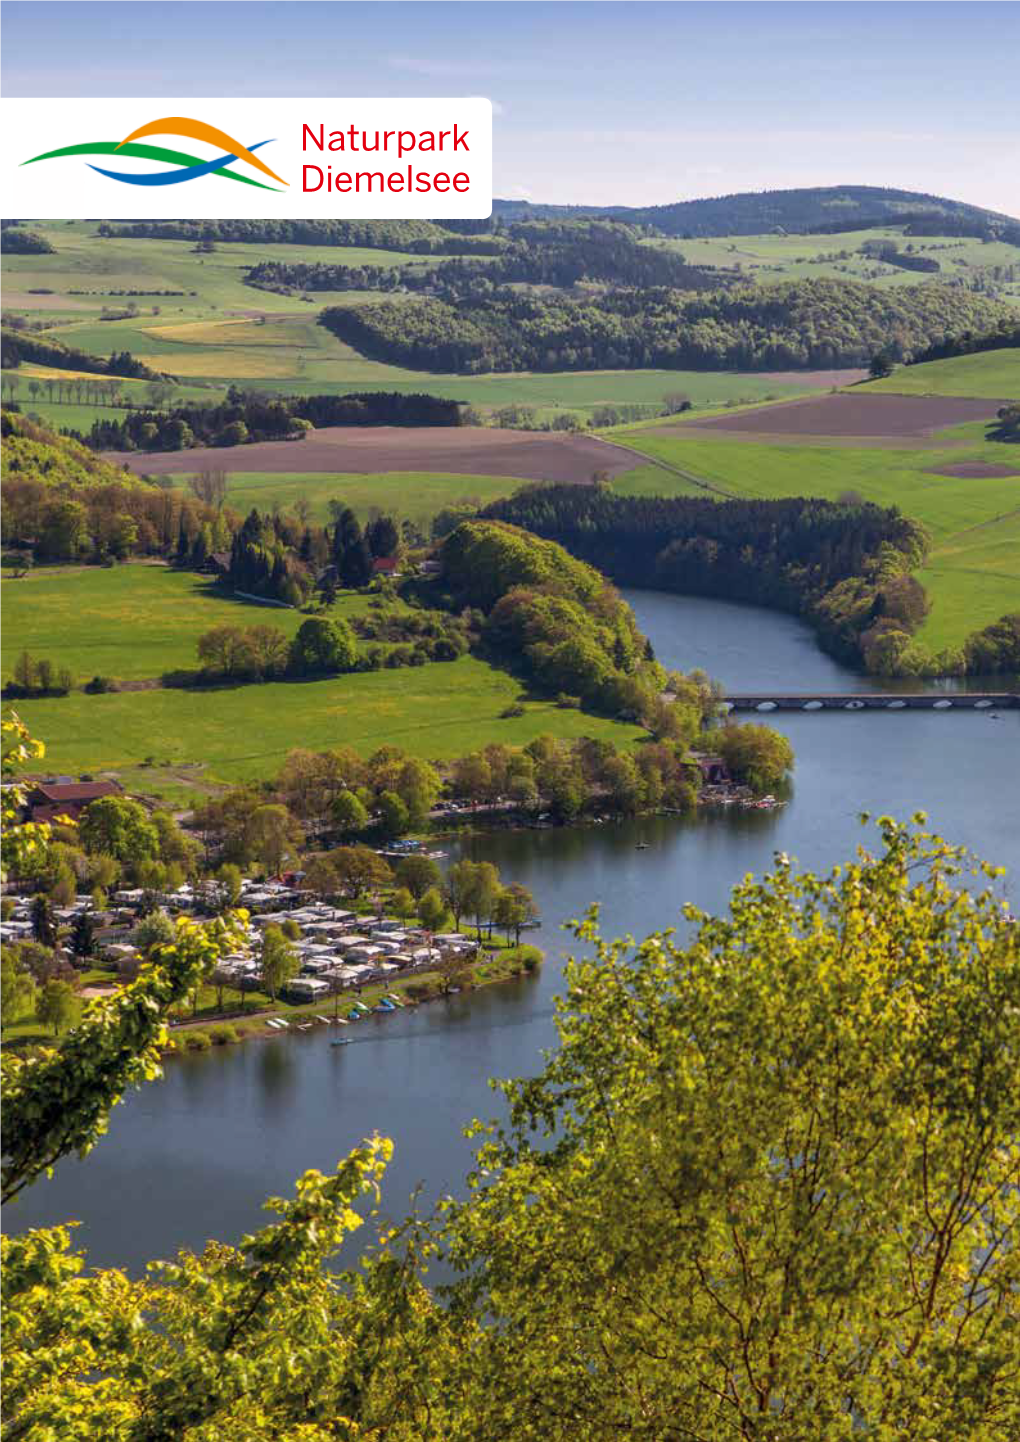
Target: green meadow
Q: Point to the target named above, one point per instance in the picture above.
(134, 621)
(992, 373)
(440, 710)
(973, 572)
(412, 495)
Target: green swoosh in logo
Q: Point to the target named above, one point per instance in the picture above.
(143, 152)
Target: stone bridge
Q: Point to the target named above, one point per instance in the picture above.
(872, 701)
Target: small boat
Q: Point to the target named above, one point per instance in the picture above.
(396, 1000)
(385, 1005)
(641, 846)
(341, 1041)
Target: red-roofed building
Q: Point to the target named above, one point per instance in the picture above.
(385, 565)
(49, 799)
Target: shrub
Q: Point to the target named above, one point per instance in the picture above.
(222, 1035)
(508, 712)
(196, 1041)
(528, 958)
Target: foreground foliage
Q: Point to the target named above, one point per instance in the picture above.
(765, 1188)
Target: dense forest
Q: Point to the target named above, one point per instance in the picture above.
(253, 416)
(420, 237)
(547, 253)
(22, 345)
(810, 208)
(800, 324)
(844, 566)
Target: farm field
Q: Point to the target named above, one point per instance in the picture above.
(440, 710)
(762, 259)
(411, 495)
(988, 373)
(973, 571)
(371, 450)
(132, 622)
(857, 415)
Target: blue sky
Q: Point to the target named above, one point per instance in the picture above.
(633, 103)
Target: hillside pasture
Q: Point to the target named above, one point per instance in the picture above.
(133, 622)
(410, 495)
(243, 733)
(986, 373)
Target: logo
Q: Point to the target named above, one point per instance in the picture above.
(189, 167)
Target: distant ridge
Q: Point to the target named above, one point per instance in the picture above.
(831, 208)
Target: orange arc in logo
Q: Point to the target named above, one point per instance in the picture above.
(198, 130)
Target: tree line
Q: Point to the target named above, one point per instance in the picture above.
(1005, 336)
(421, 237)
(248, 416)
(478, 327)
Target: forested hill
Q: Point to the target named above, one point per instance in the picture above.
(840, 207)
(843, 566)
(819, 323)
(33, 453)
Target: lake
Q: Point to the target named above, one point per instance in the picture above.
(193, 1156)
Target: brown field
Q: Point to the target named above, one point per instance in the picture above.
(876, 417)
(976, 470)
(342, 450)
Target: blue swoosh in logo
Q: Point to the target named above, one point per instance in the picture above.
(173, 177)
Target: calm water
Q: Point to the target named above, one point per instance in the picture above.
(193, 1156)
